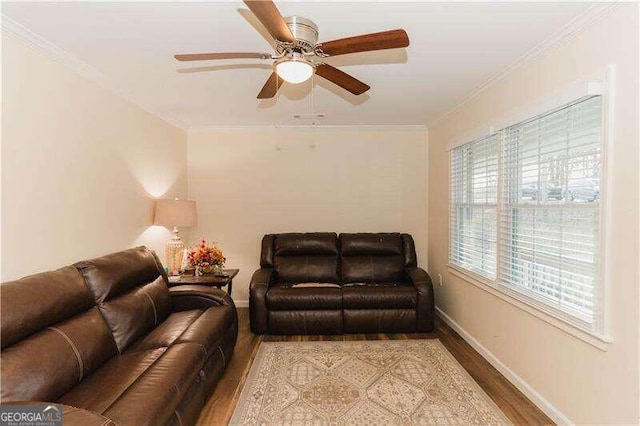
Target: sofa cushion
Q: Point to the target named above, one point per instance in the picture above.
(306, 257)
(317, 243)
(167, 332)
(363, 244)
(133, 313)
(130, 290)
(210, 328)
(383, 296)
(294, 269)
(204, 327)
(99, 391)
(372, 269)
(35, 302)
(114, 274)
(41, 368)
(140, 387)
(49, 363)
(50, 343)
(372, 258)
(284, 297)
(155, 395)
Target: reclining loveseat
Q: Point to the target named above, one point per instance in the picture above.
(319, 283)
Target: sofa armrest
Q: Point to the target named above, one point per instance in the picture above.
(258, 287)
(189, 297)
(426, 308)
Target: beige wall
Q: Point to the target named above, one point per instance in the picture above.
(80, 166)
(251, 182)
(586, 384)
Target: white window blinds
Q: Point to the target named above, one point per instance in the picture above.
(474, 196)
(525, 211)
(549, 221)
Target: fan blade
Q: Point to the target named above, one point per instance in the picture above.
(342, 79)
(227, 55)
(268, 14)
(366, 42)
(271, 87)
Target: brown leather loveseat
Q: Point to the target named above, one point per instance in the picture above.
(319, 283)
(108, 336)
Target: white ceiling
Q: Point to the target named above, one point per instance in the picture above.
(455, 47)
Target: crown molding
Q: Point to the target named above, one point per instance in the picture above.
(12, 28)
(591, 15)
(275, 127)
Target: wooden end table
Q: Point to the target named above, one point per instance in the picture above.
(212, 279)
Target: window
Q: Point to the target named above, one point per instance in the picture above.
(530, 220)
(474, 198)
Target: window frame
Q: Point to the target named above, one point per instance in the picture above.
(597, 336)
(469, 203)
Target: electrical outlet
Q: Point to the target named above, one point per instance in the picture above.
(440, 279)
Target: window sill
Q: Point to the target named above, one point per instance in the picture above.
(600, 342)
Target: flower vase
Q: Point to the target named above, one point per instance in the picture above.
(204, 270)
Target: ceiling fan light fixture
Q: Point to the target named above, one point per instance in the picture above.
(294, 69)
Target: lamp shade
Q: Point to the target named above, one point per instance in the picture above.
(175, 213)
(294, 69)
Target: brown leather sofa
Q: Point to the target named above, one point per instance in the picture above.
(319, 283)
(108, 336)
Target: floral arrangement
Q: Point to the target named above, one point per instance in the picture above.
(205, 258)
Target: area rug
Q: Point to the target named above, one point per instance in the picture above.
(362, 382)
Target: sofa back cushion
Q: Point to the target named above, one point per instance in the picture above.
(52, 335)
(130, 289)
(311, 257)
(372, 258)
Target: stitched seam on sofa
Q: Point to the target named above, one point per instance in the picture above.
(178, 417)
(106, 422)
(224, 360)
(153, 306)
(75, 351)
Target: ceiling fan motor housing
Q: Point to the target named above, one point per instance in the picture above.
(304, 31)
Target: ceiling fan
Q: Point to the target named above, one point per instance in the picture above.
(298, 54)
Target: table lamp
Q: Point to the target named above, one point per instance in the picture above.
(175, 213)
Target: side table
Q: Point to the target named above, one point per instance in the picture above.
(211, 279)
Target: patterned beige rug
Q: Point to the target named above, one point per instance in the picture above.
(362, 382)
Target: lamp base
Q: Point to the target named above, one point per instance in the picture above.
(174, 251)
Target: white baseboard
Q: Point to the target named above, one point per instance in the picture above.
(533, 395)
(241, 303)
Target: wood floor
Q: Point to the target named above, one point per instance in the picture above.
(219, 408)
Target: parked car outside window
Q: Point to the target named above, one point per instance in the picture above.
(546, 192)
(584, 190)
